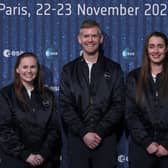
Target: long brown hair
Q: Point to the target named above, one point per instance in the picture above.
(146, 69)
(38, 84)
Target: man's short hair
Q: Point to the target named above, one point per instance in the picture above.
(90, 23)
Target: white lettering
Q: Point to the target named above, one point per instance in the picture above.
(107, 11)
(17, 10)
(11, 53)
(2, 7)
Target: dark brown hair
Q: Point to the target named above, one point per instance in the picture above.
(146, 69)
(38, 84)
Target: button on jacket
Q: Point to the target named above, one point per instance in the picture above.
(29, 127)
(95, 105)
(148, 121)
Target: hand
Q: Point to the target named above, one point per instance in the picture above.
(162, 151)
(92, 140)
(152, 148)
(35, 159)
(39, 158)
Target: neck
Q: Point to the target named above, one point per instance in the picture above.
(28, 86)
(156, 68)
(91, 58)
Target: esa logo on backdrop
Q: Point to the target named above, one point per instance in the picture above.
(51, 53)
(128, 54)
(11, 53)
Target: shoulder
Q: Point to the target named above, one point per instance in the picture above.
(132, 78)
(7, 94)
(134, 74)
(72, 63)
(111, 63)
(112, 66)
(71, 68)
(48, 91)
(7, 90)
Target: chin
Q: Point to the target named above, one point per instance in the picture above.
(157, 62)
(29, 80)
(92, 53)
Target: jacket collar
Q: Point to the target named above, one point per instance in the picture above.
(99, 59)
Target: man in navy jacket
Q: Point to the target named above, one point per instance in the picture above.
(92, 102)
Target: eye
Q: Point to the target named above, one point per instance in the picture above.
(95, 35)
(86, 36)
(24, 66)
(33, 66)
(161, 46)
(151, 46)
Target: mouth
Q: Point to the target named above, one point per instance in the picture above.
(29, 76)
(156, 56)
(90, 45)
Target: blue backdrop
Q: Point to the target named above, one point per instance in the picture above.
(49, 28)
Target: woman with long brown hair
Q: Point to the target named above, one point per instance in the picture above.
(147, 106)
(29, 129)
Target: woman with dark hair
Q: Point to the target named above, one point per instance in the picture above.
(147, 106)
(29, 129)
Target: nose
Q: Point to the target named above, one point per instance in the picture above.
(90, 39)
(29, 69)
(156, 49)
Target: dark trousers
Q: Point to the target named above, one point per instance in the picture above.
(80, 156)
(139, 158)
